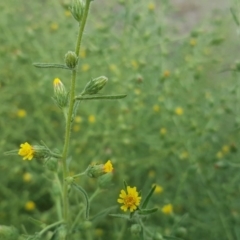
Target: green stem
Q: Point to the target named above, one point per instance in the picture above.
(69, 117)
(50, 226)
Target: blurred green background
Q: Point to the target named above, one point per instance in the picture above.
(177, 128)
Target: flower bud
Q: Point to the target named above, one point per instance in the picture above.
(95, 170)
(60, 94)
(136, 229)
(77, 9)
(95, 85)
(105, 180)
(8, 233)
(71, 59)
(52, 164)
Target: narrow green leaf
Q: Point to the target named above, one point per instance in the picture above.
(37, 222)
(147, 211)
(146, 200)
(120, 216)
(235, 18)
(109, 97)
(125, 185)
(103, 213)
(51, 65)
(85, 196)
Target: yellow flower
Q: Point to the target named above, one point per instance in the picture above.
(158, 189)
(30, 206)
(179, 111)
(27, 177)
(134, 64)
(225, 149)
(219, 155)
(21, 113)
(78, 119)
(85, 67)
(67, 13)
(163, 131)
(76, 128)
(108, 167)
(156, 108)
(54, 26)
(26, 151)
(129, 199)
(167, 209)
(151, 6)
(58, 86)
(193, 42)
(92, 119)
(83, 53)
(166, 73)
(137, 91)
(184, 155)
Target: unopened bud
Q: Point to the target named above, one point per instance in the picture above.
(77, 9)
(105, 180)
(136, 229)
(60, 94)
(95, 85)
(52, 164)
(95, 170)
(71, 59)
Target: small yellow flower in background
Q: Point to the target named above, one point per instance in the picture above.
(21, 113)
(91, 119)
(99, 232)
(184, 155)
(76, 128)
(135, 64)
(167, 209)
(83, 53)
(156, 108)
(137, 91)
(166, 73)
(54, 26)
(78, 119)
(26, 151)
(67, 13)
(151, 6)
(113, 68)
(108, 167)
(163, 131)
(151, 174)
(85, 67)
(219, 155)
(158, 189)
(193, 42)
(226, 149)
(179, 111)
(27, 177)
(129, 199)
(30, 206)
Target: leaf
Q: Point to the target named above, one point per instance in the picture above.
(235, 18)
(147, 211)
(37, 222)
(173, 238)
(103, 213)
(109, 97)
(51, 65)
(146, 200)
(85, 196)
(125, 185)
(120, 216)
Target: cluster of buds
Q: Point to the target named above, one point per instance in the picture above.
(95, 85)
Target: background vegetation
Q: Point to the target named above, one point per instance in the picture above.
(178, 127)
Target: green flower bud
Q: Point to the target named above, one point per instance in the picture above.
(95, 170)
(95, 85)
(71, 59)
(77, 9)
(105, 180)
(8, 233)
(136, 229)
(60, 94)
(85, 225)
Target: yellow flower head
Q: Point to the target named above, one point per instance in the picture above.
(163, 131)
(156, 108)
(158, 189)
(166, 73)
(151, 6)
(54, 26)
(108, 167)
(193, 42)
(167, 209)
(21, 113)
(26, 151)
(129, 199)
(85, 67)
(91, 119)
(30, 206)
(179, 111)
(27, 177)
